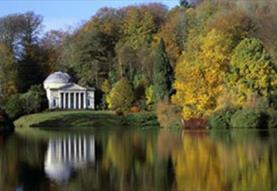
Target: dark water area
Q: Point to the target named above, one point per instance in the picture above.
(140, 160)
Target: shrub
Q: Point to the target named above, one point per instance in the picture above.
(272, 119)
(248, 118)
(121, 96)
(14, 107)
(32, 101)
(149, 95)
(142, 119)
(168, 115)
(221, 119)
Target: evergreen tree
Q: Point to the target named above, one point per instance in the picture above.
(184, 3)
(162, 74)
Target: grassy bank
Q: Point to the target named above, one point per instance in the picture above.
(85, 120)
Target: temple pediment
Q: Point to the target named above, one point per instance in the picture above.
(73, 87)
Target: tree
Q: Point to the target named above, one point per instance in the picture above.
(34, 100)
(200, 79)
(7, 72)
(162, 74)
(121, 96)
(252, 72)
(14, 106)
(174, 32)
(20, 34)
(142, 22)
(30, 69)
(127, 60)
(51, 45)
(184, 3)
(10, 32)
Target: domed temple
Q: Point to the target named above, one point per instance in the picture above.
(62, 93)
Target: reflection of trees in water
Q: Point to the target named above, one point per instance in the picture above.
(21, 164)
(161, 160)
(131, 161)
(205, 164)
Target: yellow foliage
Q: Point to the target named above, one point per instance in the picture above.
(202, 163)
(106, 86)
(200, 81)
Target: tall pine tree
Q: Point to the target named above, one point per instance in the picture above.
(162, 74)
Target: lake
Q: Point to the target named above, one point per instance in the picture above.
(140, 160)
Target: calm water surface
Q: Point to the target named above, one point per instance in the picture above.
(140, 160)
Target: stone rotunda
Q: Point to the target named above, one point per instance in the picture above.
(62, 93)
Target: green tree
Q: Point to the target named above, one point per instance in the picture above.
(252, 71)
(184, 3)
(142, 22)
(121, 96)
(7, 72)
(14, 106)
(34, 100)
(162, 74)
(30, 69)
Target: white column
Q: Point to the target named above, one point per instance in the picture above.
(85, 100)
(69, 100)
(93, 100)
(60, 100)
(74, 100)
(64, 101)
(79, 100)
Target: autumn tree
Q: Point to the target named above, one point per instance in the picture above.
(174, 32)
(200, 81)
(162, 74)
(121, 96)
(51, 45)
(142, 22)
(252, 71)
(128, 62)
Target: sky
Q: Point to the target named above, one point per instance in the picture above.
(61, 14)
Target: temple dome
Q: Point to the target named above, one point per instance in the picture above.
(56, 80)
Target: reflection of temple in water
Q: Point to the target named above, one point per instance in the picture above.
(67, 153)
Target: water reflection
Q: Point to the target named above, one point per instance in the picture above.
(141, 160)
(67, 153)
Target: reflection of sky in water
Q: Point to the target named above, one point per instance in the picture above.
(68, 153)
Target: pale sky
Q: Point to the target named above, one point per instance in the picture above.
(60, 14)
